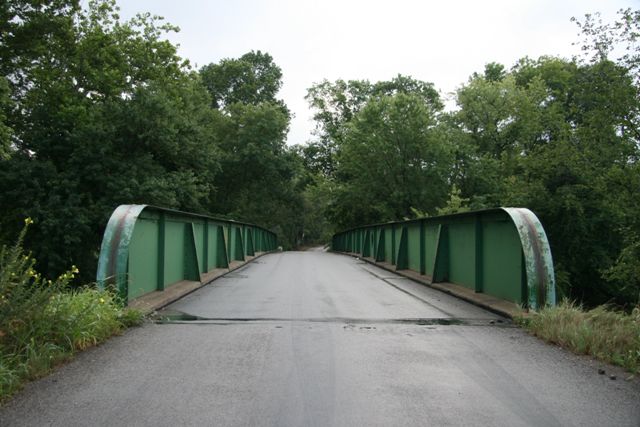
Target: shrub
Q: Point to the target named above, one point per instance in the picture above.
(43, 322)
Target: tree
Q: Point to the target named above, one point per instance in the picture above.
(251, 79)
(259, 176)
(600, 40)
(335, 105)
(105, 113)
(558, 137)
(5, 130)
(392, 159)
(35, 35)
(252, 147)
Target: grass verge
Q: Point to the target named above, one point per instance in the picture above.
(44, 322)
(608, 335)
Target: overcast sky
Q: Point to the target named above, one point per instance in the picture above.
(436, 41)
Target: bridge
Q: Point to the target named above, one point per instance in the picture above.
(401, 324)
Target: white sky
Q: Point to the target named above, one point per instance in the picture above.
(436, 41)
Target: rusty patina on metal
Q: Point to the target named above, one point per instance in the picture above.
(114, 252)
(541, 282)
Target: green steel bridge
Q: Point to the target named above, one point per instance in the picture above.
(502, 254)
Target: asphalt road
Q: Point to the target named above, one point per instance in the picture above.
(318, 339)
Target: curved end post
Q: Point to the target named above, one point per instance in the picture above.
(541, 282)
(114, 251)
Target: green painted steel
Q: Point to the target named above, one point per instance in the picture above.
(431, 235)
(502, 252)
(147, 248)
(413, 246)
(537, 256)
(462, 254)
(145, 235)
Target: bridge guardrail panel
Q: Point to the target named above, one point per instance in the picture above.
(431, 237)
(143, 258)
(502, 261)
(462, 253)
(147, 248)
(501, 252)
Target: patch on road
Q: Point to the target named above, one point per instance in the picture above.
(168, 316)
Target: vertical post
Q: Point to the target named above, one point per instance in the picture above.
(161, 243)
(228, 237)
(441, 260)
(524, 289)
(479, 285)
(393, 244)
(374, 242)
(205, 249)
(423, 261)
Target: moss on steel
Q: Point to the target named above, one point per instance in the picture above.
(469, 249)
(203, 245)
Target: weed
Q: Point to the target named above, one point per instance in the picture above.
(43, 322)
(608, 335)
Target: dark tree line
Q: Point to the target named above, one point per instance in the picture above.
(96, 112)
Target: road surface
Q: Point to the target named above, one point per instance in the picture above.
(320, 339)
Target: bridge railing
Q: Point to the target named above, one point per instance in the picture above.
(501, 252)
(147, 249)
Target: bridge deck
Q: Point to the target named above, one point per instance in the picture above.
(312, 338)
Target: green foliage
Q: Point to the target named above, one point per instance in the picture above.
(316, 228)
(5, 130)
(99, 112)
(377, 152)
(336, 104)
(253, 150)
(626, 269)
(455, 204)
(541, 137)
(392, 158)
(557, 136)
(251, 79)
(259, 176)
(42, 322)
(622, 37)
(105, 113)
(611, 336)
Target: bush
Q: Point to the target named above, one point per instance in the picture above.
(43, 322)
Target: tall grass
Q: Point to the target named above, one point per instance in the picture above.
(608, 335)
(43, 322)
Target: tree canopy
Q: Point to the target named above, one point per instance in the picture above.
(98, 112)
(251, 79)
